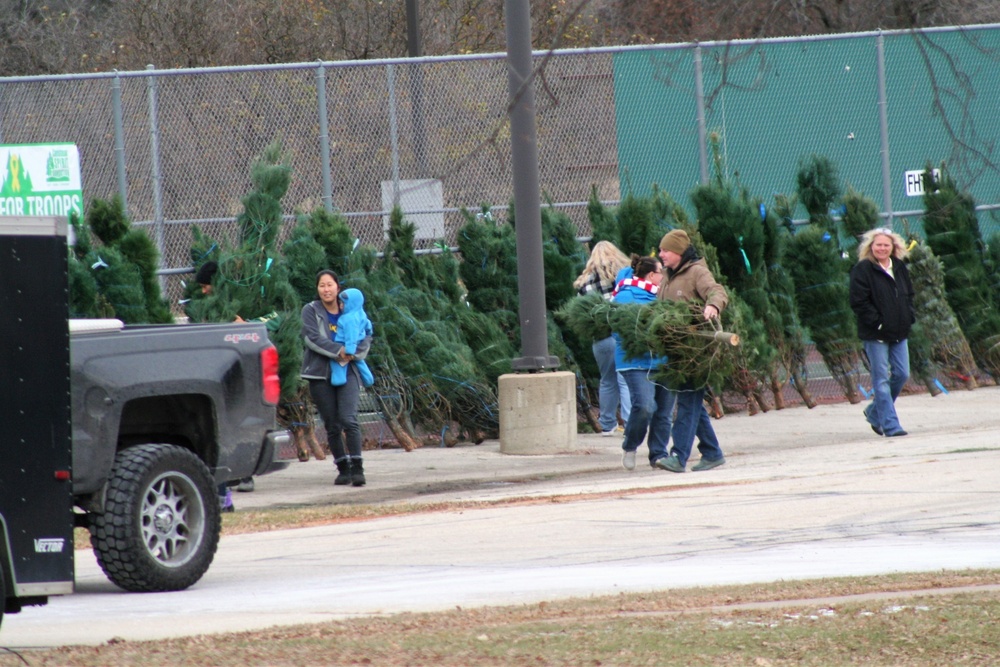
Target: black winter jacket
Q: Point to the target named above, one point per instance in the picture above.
(883, 306)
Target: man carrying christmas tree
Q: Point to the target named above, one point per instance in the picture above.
(688, 278)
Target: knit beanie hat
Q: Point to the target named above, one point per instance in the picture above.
(206, 273)
(676, 241)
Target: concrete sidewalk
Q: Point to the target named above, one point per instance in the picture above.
(793, 441)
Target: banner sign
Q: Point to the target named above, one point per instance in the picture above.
(40, 179)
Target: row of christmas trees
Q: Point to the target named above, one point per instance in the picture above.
(789, 283)
(447, 328)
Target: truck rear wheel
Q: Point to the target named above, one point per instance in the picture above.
(160, 525)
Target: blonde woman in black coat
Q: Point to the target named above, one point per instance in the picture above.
(882, 300)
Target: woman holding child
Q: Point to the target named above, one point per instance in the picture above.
(333, 366)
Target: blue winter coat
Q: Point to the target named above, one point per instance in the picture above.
(632, 294)
(353, 327)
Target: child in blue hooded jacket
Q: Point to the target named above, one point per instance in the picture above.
(353, 326)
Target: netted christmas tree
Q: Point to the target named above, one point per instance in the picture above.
(698, 352)
(427, 341)
(936, 341)
(819, 271)
(861, 214)
(637, 224)
(953, 234)
(489, 270)
(817, 183)
(252, 284)
(733, 224)
(603, 225)
(823, 304)
(489, 274)
(781, 294)
(118, 277)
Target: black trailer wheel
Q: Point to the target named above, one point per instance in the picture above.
(160, 525)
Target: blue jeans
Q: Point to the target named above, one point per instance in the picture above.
(624, 400)
(890, 369)
(609, 392)
(692, 419)
(652, 412)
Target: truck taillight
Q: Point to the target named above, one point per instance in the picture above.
(269, 374)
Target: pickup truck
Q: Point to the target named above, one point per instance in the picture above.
(162, 414)
(124, 430)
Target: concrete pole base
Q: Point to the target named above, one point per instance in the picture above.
(537, 413)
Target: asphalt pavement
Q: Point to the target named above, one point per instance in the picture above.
(804, 494)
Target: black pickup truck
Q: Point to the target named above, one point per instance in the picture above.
(124, 430)
(161, 415)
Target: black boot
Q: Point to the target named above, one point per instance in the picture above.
(357, 472)
(344, 470)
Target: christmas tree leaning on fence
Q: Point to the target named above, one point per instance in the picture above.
(953, 234)
(820, 274)
(936, 342)
(118, 277)
(731, 222)
(252, 283)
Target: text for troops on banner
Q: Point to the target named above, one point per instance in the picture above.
(40, 179)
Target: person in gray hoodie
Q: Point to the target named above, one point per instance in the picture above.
(337, 405)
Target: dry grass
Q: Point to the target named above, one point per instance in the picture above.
(902, 620)
(942, 618)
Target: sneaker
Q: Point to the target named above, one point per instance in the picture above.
(896, 434)
(245, 485)
(706, 464)
(618, 430)
(669, 463)
(628, 460)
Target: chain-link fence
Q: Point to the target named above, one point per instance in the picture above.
(432, 133)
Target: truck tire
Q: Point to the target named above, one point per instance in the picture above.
(160, 525)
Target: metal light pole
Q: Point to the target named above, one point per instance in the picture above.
(415, 49)
(527, 193)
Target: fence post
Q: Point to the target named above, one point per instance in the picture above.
(699, 94)
(324, 137)
(883, 127)
(116, 107)
(154, 159)
(390, 75)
